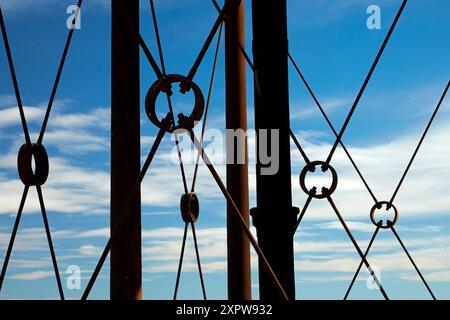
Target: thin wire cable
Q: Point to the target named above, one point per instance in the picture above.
(208, 102)
(180, 159)
(412, 261)
(124, 212)
(142, 43)
(300, 218)
(355, 244)
(366, 81)
(243, 52)
(208, 41)
(241, 48)
(216, 5)
(322, 110)
(180, 262)
(13, 235)
(169, 100)
(419, 144)
(14, 79)
(195, 179)
(58, 75)
(50, 241)
(150, 57)
(158, 38)
(199, 265)
(264, 262)
(299, 147)
(361, 263)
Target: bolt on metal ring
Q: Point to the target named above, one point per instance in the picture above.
(190, 207)
(385, 224)
(164, 84)
(311, 167)
(29, 154)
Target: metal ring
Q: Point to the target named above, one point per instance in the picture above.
(326, 192)
(190, 207)
(378, 206)
(27, 154)
(164, 84)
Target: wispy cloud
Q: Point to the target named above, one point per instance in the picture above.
(32, 276)
(301, 112)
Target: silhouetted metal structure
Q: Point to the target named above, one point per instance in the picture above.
(126, 257)
(274, 217)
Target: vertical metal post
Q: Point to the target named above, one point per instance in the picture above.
(274, 217)
(126, 262)
(239, 274)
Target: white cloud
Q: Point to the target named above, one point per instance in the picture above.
(301, 112)
(440, 276)
(382, 165)
(31, 276)
(90, 250)
(10, 116)
(81, 189)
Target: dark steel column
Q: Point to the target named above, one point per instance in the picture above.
(274, 217)
(126, 264)
(239, 274)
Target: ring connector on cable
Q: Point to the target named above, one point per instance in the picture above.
(164, 84)
(29, 154)
(326, 191)
(385, 223)
(190, 207)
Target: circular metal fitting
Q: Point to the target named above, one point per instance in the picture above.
(190, 207)
(311, 167)
(386, 223)
(164, 84)
(29, 154)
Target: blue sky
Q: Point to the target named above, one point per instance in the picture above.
(334, 49)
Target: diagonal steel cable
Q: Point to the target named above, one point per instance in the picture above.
(180, 158)
(125, 211)
(226, 7)
(322, 110)
(39, 141)
(50, 241)
(180, 161)
(158, 37)
(366, 81)
(14, 79)
(169, 100)
(13, 235)
(242, 50)
(355, 244)
(362, 262)
(297, 144)
(299, 147)
(411, 259)
(339, 141)
(142, 44)
(208, 103)
(199, 264)
(302, 213)
(180, 263)
(395, 193)
(234, 35)
(265, 263)
(58, 75)
(430, 122)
